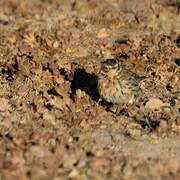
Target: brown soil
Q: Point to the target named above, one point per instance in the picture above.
(52, 124)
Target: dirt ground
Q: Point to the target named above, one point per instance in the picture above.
(52, 122)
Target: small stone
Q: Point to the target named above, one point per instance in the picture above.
(100, 164)
(163, 125)
(173, 166)
(82, 52)
(103, 33)
(155, 103)
(55, 44)
(107, 54)
(103, 126)
(70, 160)
(61, 103)
(135, 132)
(50, 117)
(103, 139)
(74, 173)
(4, 104)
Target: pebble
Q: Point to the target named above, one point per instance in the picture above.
(155, 103)
(103, 33)
(103, 139)
(4, 104)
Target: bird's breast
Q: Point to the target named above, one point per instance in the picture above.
(115, 91)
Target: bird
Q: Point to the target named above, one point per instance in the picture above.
(117, 84)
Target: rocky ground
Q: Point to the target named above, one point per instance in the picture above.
(52, 124)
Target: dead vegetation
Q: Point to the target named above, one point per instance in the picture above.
(52, 124)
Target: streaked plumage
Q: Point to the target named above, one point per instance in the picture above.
(117, 84)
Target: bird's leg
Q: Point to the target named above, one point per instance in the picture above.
(119, 109)
(112, 108)
(123, 110)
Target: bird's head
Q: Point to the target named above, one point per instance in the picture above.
(110, 68)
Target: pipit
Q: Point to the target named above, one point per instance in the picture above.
(117, 84)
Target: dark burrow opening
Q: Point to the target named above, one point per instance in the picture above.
(178, 42)
(86, 82)
(177, 61)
